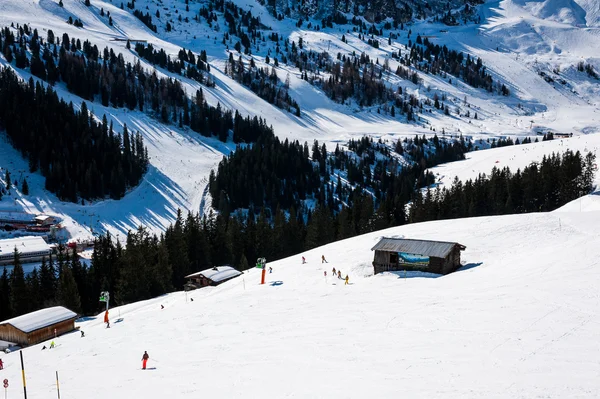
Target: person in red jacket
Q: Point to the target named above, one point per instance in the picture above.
(1, 364)
(145, 360)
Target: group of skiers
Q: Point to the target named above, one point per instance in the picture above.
(339, 275)
(323, 260)
(335, 273)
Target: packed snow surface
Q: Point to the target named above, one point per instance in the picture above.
(520, 319)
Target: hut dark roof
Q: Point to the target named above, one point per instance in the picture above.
(436, 249)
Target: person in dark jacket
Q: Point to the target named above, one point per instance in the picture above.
(145, 360)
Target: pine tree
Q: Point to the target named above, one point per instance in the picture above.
(19, 294)
(243, 263)
(25, 187)
(67, 294)
(7, 180)
(5, 308)
(33, 285)
(48, 283)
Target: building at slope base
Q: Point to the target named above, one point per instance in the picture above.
(35, 327)
(394, 254)
(213, 276)
(31, 249)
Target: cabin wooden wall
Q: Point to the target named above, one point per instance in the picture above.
(11, 334)
(381, 263)
(452, 261)
(47, 333)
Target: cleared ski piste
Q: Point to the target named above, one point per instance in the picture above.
(520, 319)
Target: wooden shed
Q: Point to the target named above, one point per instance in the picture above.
(38, 326)
(213, 276)
(393, 254)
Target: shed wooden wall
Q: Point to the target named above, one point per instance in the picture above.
(12, 334)
(452, 261)
(381, 263)
(47, 333)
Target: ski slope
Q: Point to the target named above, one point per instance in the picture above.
(519, 320)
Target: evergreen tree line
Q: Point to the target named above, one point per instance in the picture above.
(91, 74)
(79, 157)
(263, 83)
(439, 60)
(60, 281)
(146, 19)
(539, 187)
(9, 183)
(236, 19)
(273, 174)
(187, 64)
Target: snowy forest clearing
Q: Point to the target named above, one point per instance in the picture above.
(520, 319)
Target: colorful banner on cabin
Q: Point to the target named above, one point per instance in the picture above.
(413, 260)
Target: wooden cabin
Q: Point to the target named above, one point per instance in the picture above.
(394, 254)
(210, 277)
(35, 327)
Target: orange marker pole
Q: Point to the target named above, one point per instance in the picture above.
(262, 280)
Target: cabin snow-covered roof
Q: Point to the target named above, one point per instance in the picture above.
(40, 318)
(436, 249)
(217, 273)
(24, 245)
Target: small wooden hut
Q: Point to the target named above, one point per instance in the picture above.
(394, 254)
(38, 326)
(213, 276)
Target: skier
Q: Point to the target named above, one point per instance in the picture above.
(325, 273)
(333, 271)
(51, 344)
(82, 334)
(145, 360)
(191, 299)
(303, 260)
(270, 270)
(347, 278)
(323, 259)
(1, 364)
(340, 274)
(162, 307)
(106, 319)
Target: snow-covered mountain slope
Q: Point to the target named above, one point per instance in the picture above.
(520, 319)
(514, 157)
(516, 40)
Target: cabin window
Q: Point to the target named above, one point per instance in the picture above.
(394, 258)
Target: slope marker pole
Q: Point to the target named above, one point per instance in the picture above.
(23, 374)
(57, 386)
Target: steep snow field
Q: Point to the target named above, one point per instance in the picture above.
(519, 320)
(516, 40)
